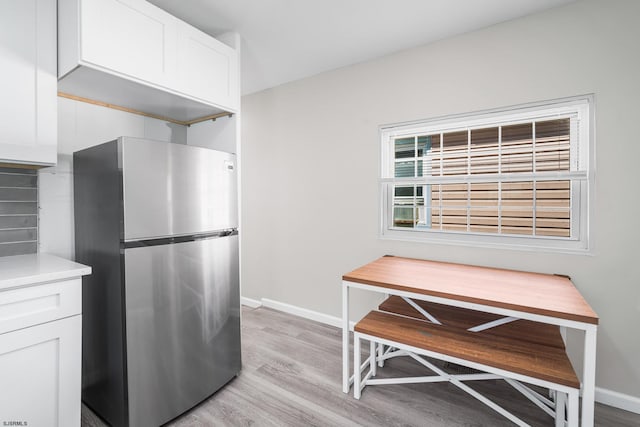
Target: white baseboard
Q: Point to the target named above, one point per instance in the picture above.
(303, 312)
(253, 303)
(618, 400)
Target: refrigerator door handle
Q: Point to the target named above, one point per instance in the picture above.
(178, 239)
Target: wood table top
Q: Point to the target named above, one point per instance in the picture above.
(543, 294)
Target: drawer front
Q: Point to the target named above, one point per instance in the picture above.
(33, 305)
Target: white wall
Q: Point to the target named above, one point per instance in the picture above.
(219, 134)
(310, 163)
(82, 125)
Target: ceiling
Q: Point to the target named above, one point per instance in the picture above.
(287, 40)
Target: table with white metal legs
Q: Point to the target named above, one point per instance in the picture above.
(544, 298)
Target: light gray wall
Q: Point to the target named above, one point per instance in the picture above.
(219, 134)
(310, 162)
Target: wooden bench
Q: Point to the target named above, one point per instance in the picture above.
(460, 318)
(516, 351)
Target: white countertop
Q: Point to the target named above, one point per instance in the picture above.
(21, 270)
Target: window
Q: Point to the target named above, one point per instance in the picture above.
(512, 177)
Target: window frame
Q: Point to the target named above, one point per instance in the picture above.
(581, 175)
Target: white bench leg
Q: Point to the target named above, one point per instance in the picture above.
(380, 354)
(372, 358)
(561, 402)
(573, 409)
(357, 375)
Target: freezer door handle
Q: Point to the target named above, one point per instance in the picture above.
(178, 239)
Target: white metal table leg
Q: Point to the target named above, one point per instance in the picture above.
(345, 338)
(356, 366)
(589, 376)
(561, 402)
(573, 411)
(380, 345)
(372, 358)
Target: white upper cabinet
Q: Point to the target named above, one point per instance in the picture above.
(28, 107)
(133, 38)
(212, 70)
(133, 54)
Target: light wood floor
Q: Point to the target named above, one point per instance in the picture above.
(292, 375)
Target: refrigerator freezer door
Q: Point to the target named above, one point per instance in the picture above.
(183, 325)
(174, 189)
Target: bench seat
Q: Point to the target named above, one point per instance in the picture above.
(511, 354)
(462, 318)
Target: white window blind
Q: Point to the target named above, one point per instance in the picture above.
(518, 176)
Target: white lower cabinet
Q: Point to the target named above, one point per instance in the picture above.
(40, 371)
(40, 340)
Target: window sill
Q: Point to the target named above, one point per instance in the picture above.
(539, 245)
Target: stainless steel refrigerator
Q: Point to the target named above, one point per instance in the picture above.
(161, 312)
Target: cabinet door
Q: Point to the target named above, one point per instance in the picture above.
(40, 369)
(28, 107)
(130, 37)
(207, 68)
